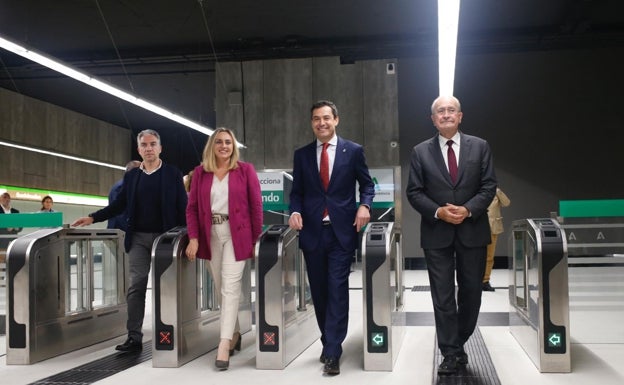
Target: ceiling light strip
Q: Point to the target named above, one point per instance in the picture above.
(58, 154)
(101, 85)
(448, 22)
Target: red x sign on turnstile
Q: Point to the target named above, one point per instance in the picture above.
(165, 338)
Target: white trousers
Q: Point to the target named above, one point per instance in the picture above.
(227, 274)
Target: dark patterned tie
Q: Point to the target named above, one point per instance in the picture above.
(452, 161)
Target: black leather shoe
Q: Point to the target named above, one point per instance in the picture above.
(462, 359)
(322, 358)
(487, 287)
(448, 366)
(332, 366)
(131, 345)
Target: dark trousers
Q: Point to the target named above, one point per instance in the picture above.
(140, 260)
(328, 273)
(455, 318)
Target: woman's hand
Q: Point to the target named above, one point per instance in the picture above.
(191, 249)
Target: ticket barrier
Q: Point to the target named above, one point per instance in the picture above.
(286, 321)
(539, 316)
(382, 275)
(185, 306)
(65, 291)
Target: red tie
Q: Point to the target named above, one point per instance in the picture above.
(452, 161)
(324, 168)
(324, 171)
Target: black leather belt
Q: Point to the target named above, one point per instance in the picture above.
(217, 219)
(326, 223)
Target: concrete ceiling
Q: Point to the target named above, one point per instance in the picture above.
(166, 50)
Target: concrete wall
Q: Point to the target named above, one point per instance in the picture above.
(268, 103)
(30, 122)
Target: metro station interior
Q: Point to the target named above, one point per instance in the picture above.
(538, 80)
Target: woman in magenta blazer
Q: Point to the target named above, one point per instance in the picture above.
(224, 220)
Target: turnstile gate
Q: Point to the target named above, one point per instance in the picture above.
(382, 275)
(285, 319)
(185, 308)
(65, 291)
(538, 294)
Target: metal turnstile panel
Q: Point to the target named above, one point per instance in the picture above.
(65, 291)
(185, 307)
(285, 318)
(538, 295)
(382, 275)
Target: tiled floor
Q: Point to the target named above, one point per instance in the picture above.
(597, 356)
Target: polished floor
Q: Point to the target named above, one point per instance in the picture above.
(597, 345)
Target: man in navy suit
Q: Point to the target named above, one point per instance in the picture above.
(329, 220)
(454, 224)
(153, 198)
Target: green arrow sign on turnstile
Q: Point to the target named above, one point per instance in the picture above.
(377, 339)
(554, 339)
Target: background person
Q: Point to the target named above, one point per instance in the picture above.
(46, 204)
(496, 227)
(224, 217)
(5, 208)
(120, 221)
(454, 229)
(323, 208)
(153, 198)
(187, 181)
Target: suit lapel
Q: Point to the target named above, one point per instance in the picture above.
(340, 159)
(436, 154)
(311, 149)
(465, 144)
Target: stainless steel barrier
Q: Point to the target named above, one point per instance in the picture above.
(286, 322)
(185, 309)
(596, 241)
(65, 290)
(382, 275)
(539, 314)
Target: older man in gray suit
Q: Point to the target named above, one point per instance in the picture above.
(451, 183)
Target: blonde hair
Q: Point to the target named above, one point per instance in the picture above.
(209, 159)
(187, 181)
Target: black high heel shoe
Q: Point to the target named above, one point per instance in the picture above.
(237, 345)
(222, 364)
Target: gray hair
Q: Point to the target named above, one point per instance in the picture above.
(148, 132)
(453, 98)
